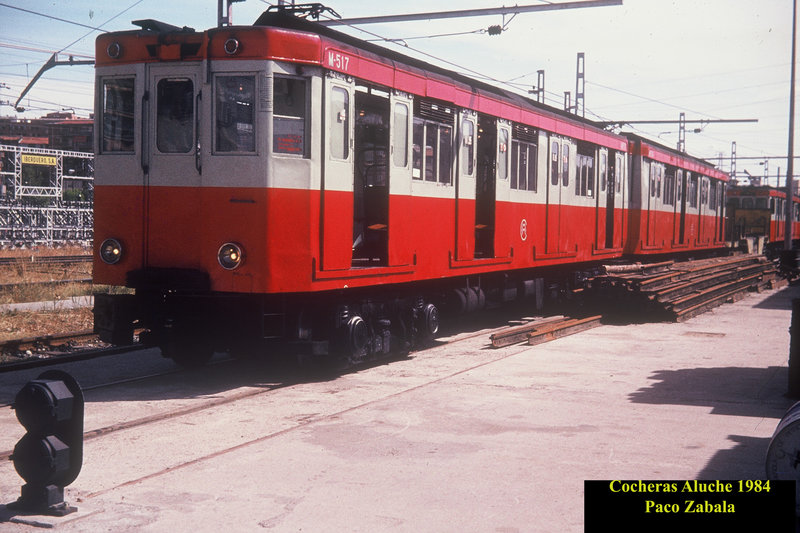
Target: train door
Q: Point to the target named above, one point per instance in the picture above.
(681, 192)
(485, 186)
(653, 197)
(401, 246)
(702, 223)
(558, 149)
(171, 164)
(605, 200)
(614, 214)
(336, 195)
(466, 186)
(371, 178)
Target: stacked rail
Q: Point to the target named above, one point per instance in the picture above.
(544, 330)
(679, 291)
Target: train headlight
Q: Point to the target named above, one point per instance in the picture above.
(232, 46)
(230, 256)
(111, 251)
(114, 50)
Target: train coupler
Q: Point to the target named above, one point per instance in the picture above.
(114, 315)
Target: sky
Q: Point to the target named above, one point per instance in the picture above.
(644, 60)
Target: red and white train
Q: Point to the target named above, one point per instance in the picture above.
(286, 181)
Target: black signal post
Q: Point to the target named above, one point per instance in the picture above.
(50, 455)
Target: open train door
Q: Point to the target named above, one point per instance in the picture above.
(336, 194)
(486, 186)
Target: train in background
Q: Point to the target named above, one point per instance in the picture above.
(284, 182)
(757, 217)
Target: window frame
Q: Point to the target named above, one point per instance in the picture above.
(121, 110)
(304, 120)
(254, 135)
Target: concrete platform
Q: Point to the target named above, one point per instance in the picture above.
(458, 438)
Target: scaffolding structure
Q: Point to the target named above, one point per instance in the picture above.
(33, 208)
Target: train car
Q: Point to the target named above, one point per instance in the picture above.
(284, 181)
(759, 211)
(676, 201)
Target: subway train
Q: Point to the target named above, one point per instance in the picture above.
(285, 183)
(758, 213)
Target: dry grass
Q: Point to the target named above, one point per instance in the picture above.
(23, 324)
(20, 324)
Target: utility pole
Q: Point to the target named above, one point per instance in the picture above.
(580, 86)
(787, 241)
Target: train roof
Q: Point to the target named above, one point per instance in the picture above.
(466, 91)
(284, 20)
(760, 190)
(671, 156)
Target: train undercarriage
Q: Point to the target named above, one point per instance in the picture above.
(189, 322)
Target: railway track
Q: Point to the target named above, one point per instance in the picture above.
(685, 289)
(12, 287)
(290, 376)
(46, 260)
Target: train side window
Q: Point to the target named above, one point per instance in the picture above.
(517, 164)
(554, 160)
(679, 186)
(118, 112)
(652, 181)
(339, 123)
(524, 157)
(445, 154)
(533, 159)
(523, 166)
(502, 156)
(659, 174)
(400, 126)
(669, 188)
(289, 116)
(603, 171)
(416, 149)
(468, 147)
(175, 115)
(430, 151)
(712, 197)
(235, 100)
(704, 192)
(693, 191)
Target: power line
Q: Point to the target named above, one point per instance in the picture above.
(50, 17)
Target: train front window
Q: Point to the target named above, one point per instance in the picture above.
(289, 116)
(234, 101)
(118, 105)
(175, 115)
